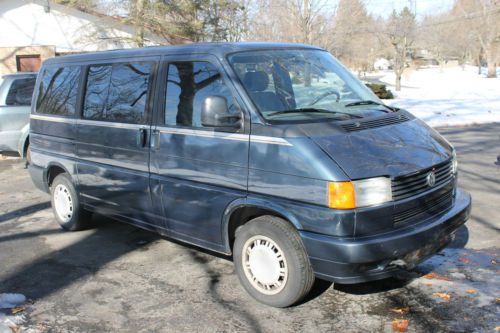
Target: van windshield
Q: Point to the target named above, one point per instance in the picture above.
(298, 84)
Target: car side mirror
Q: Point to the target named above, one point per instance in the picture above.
(215, 113)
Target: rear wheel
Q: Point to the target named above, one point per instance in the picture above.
(66, 204)
(271, 262)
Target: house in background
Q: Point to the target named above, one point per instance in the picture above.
(34, 30)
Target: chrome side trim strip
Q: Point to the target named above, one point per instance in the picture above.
(225, 136)
(205, 134)
(99, 199)
(53, 119)
(269, 140)
(170, 130)
(87, 122)
(109, 124)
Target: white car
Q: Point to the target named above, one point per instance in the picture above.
(16, 91)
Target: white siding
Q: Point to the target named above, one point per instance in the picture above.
(24, 22)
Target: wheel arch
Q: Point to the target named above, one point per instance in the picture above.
(53, 170)
(243, 210)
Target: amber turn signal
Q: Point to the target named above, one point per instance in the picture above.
(341, 195)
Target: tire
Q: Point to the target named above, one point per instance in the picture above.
(271, 262)
(66, 204)
(27, 154)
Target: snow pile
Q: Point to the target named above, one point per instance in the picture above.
(13, 315)
(448, 96)
(8, 301)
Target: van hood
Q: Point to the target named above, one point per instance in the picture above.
(392, 150)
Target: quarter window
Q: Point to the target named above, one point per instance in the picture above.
(20, 92)
(118, 92)
(188, 84)
(58, 90)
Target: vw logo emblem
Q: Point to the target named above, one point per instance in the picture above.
(431, 179)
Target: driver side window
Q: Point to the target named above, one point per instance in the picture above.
(188, 84)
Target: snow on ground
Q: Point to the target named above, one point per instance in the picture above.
(14, 314)
(448, 96)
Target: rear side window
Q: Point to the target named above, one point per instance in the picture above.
(20, 92)
(58, 91)
(118, 92)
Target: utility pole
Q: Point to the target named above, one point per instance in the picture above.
(414, 3)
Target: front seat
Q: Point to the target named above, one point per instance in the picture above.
(257, 83)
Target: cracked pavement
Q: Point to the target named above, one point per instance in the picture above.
(115, 277)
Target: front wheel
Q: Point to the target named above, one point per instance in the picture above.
(271, 261)
(66, 204)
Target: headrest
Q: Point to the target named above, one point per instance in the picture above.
(256, 81)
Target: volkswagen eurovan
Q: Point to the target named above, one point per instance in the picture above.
(272, 153)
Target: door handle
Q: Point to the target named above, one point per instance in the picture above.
(155, 140)
(142, 137)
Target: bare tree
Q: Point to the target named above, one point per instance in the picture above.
(138, 12)
(400, 31)
(178, 21)
(305, 13)
(482, 17)
(354, 39)
(299, 21)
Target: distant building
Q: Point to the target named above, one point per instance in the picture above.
(382, 64)
(423, 58)
(34, 30)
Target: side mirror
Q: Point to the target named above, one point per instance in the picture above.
(215, 113)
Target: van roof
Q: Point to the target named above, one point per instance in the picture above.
(217, 49)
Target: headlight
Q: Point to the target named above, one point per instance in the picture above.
(454, 162)
(359, 193)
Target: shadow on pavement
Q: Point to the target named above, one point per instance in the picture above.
(58, 269)
(29, 234)
(24, 211)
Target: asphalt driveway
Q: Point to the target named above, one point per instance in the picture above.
(115, 277)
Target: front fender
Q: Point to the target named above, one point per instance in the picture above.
(257, 203)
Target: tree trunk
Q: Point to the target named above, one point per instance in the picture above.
(307, 75)
(139, 23)
(479, 61)
(399, 67)
(398, 82)
(186, 97)
(490, 60)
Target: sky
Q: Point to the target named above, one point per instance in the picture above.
(384, 8)
(423, 7)
(381, 8)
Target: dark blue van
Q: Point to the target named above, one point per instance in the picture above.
(272, 153)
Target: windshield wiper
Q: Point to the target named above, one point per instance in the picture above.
(367, 102)
(312, 110)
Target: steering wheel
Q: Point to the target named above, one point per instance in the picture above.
(326, 94)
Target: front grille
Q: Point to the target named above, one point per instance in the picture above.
(413, 184)
(427, 208)
(387, 120)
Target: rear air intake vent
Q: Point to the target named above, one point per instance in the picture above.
(362, 125)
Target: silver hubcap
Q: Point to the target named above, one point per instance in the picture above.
(63, 203)
(265, 265)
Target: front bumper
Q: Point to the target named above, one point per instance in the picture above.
(349, 260)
